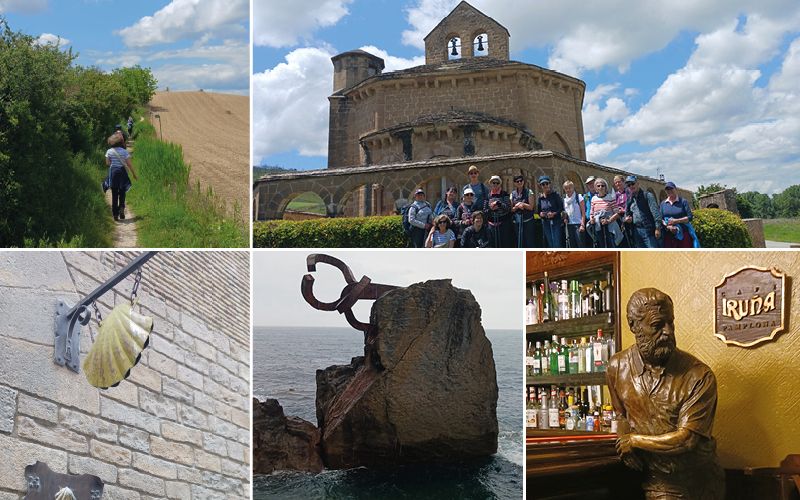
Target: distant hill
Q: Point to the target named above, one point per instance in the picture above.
(266, 169)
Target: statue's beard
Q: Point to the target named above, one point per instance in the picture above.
(658, 350)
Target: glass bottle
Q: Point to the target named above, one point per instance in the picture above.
(585, 309)
(596, 298)
(562, 411)
(528, 361)
(549, 302)
(563, 302)
(600, 353)
(545, 358)
(554, 348)
(530, 313)
(563, 357)
(537, 359)
(544, 410)
(553, 415)
(608, 294)
(582, 356)
(574, 299)
(574, 348)
(589, 357)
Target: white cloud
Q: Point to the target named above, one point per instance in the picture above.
(592, 35)
(290, 105)
(25, 7)
(598, 152)
(393, 63)
(280, 23)
(692, 102)
(223, 78)
(121, 60)
(596, 120)
(189, 20)
(236, 53)
(47, 38)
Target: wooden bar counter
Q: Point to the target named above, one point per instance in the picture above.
(576, 464)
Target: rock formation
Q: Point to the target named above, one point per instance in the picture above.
(281, 442)
(431, 396)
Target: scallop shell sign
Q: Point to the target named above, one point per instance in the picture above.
(749, 306)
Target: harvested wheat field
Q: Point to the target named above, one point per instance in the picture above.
(214, 132)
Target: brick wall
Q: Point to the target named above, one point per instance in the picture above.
(178, 427)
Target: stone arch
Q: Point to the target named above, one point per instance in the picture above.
(367, 199)
(653, 192)
(484, 42)
(555, 142)
(436, 185)
(304, 205)
(437, 150)
(662, 196)
(389, 157)
(449, 46)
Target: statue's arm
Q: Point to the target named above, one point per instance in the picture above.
(671, 443)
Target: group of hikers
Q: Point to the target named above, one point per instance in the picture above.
(117, 158)
(623, 216)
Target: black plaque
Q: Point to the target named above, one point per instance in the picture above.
(749, 306)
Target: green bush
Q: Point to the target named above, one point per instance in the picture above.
(359, 232)
(720, 229)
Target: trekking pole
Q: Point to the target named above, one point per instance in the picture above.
(605, 235)
(566, 234)
(552, 235)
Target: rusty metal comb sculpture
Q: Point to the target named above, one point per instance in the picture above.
(354, 291)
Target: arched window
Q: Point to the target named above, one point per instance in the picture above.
(480, 45)
(454, 48)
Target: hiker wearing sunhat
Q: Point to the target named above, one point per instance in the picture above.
(497, 208)
(119, 131)
(420, 216)
(678, 231)
(478, 188)
(642, 209)
(550, 205)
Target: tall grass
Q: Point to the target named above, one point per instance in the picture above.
(170, 212)
(785, 230)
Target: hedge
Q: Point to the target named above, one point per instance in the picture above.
(715, 229)
(358, 232)
(720, 229)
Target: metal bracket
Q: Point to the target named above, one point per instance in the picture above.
(70, 319)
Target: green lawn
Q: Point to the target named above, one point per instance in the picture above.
(785, 230)
(307, 202)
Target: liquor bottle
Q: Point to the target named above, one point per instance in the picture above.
(574, 299)
(553, 415)
(554, 348)
(590, 421)
(537, 359)
(562, 412)
(611, 347)
(531, 318)
(563, 357)
(607, 409)
(545, 358)
(544, 411)
(571, 421)
(574, 349)
(589, 350)
(582, 355)
(528, 361)
(529, 409)
(600, 353)
(563, 302)
(596, 298)
(585, 309)
(608, 294)
(550, 305)
(585, 408)
(540, 295)
(613, 421)
(598, 421)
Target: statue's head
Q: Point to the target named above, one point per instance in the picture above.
(651, 318)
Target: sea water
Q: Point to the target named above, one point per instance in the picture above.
(285, 361)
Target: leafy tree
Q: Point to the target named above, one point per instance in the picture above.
(787, 203)
(744, 207)
(712, 188)
(762, 206)
(139, 82)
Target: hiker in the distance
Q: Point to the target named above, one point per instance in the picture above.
(130, 126)
(117, 158)
(124, 137)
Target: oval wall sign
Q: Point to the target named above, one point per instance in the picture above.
(749, 306)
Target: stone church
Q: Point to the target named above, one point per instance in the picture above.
(391, 133)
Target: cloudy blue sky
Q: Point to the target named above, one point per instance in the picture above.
(188, 44)
(700, 91)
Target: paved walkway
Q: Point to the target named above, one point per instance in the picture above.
(780, 244)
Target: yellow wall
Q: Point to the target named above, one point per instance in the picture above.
(758, 410)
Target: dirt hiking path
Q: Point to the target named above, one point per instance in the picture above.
(124, 230)
(214, 133)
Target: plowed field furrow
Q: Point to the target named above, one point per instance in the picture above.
(214, 131)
